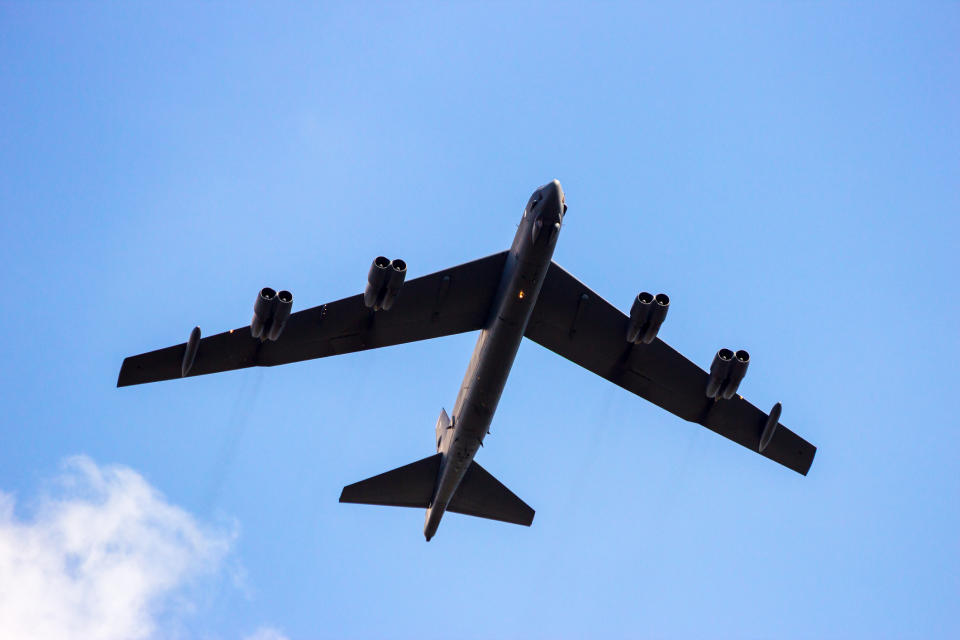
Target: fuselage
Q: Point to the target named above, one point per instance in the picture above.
(523, 274)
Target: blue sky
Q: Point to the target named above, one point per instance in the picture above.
(788, 174)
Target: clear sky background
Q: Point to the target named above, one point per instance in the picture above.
(788, 174)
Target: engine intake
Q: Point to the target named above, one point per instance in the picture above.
(263, 309)
(639, 313)
(726, 372)
(646, 316)
(738, 369)
(719, 370)
(376, 281)
(398, 272)
(383, 283)
(270, 313)
(281, 312)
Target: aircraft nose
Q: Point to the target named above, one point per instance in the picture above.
(553, 199)
(553, 190)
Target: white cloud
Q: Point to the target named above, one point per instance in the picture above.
(100, 558)
(266, 633)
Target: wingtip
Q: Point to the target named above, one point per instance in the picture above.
(804, 459)
(120, 377)
(813, 454)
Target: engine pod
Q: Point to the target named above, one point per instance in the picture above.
(376, 281)
(657, 315)
(639, 314)
(282, 311)
(398, 272)
(738, 369)
(719, 370)
(263, 309)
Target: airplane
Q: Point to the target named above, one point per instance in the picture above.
(507, 296)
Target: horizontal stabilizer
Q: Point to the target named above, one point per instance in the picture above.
(483, 496)
(408, 486)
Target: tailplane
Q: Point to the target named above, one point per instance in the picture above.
(408, 486)
(483, 496)
(479, 493)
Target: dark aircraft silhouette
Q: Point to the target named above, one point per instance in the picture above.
(506, 296)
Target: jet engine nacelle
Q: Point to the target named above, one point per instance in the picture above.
(726, 373)
(270, 313)
(376, 281)
(383, 283)
(398, 273)
(263, 309)
(646, 315)
(280, 314)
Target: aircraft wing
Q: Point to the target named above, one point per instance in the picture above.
(573, 321)
(450, 301)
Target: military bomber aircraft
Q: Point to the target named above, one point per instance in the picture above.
(507, 296)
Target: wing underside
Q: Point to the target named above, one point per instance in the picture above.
(444, 303)
(569, 319)
(576, 323)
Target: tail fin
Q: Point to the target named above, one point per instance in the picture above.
(408, 486)
(479, 493)
(483, 496)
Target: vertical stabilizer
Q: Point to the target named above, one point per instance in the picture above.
(443, 423)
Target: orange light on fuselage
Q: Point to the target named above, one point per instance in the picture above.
(520, 295)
